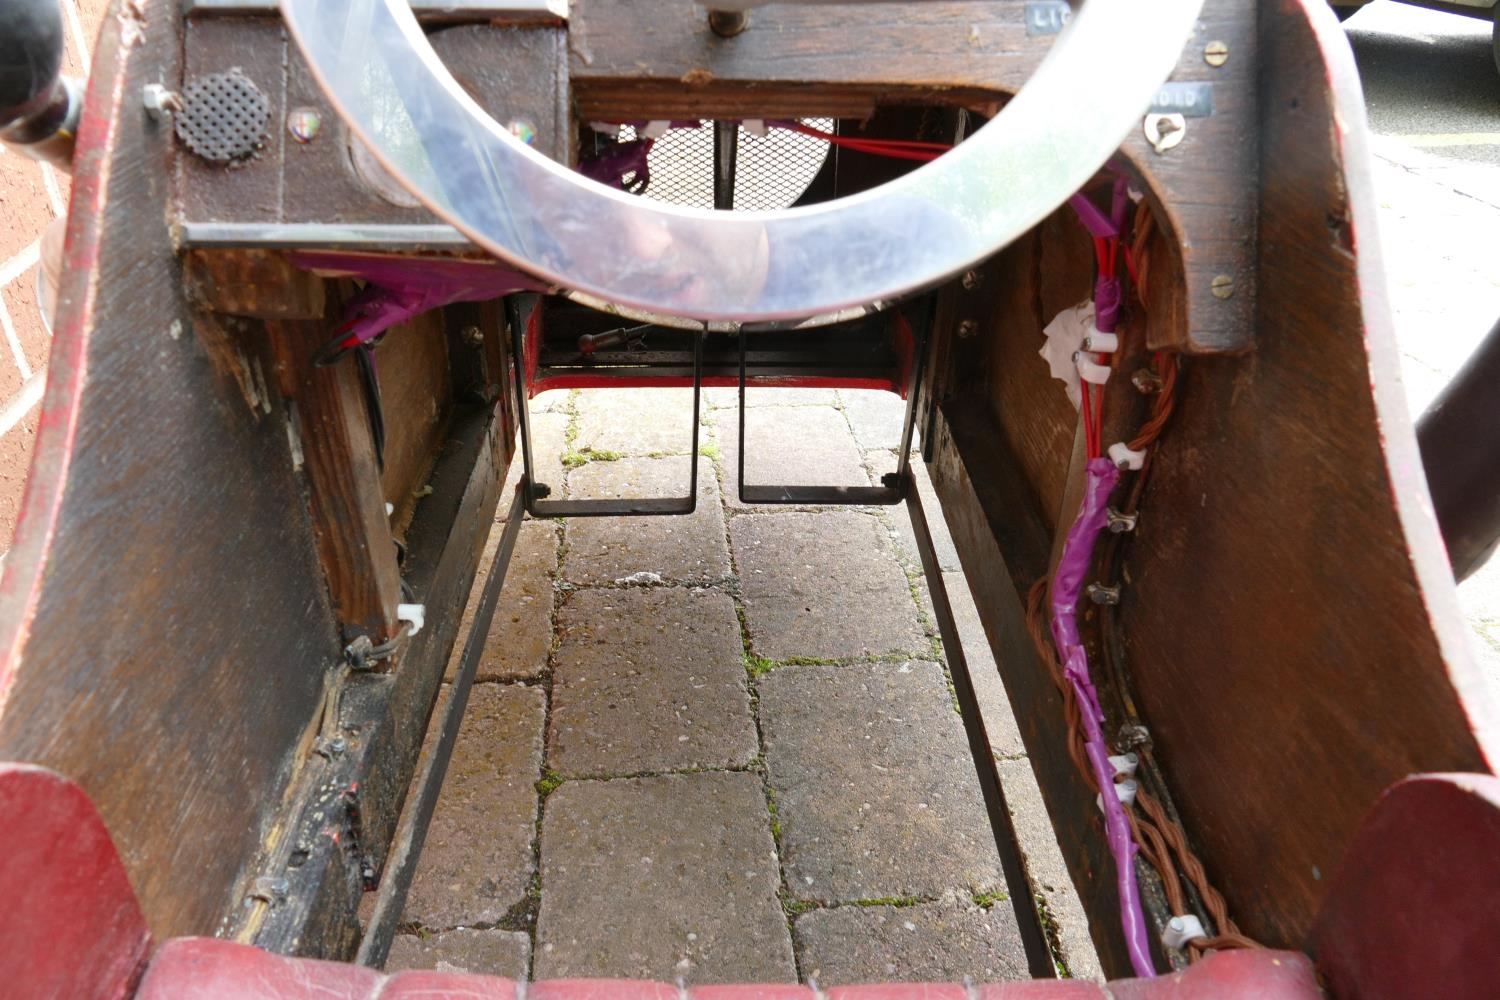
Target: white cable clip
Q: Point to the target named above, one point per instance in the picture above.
(1124, 458)
(1098, 340)
(413, 614)
(1125, 763)
(1094, 374)
(755, 126)
(653, 130)
(1124, 791)
(1180, 930)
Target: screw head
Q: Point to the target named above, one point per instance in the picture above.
(1164, 131)
(1216, 53)
(522, 129)
(473, 335)
(304, 124)
(1222, 286)
(970, 280)
(159, 101)
(967, 329)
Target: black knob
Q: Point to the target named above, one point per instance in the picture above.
(31, 52)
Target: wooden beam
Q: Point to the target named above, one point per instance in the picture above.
(330, 431)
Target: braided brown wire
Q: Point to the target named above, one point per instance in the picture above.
(1161, 840)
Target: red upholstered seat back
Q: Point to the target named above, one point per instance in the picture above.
(69, 922)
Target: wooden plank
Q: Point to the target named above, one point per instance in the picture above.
(794, 60)
(258, 283)
(327, 845)
(337, 453)
(164, 624)
(513, 72)
(416, 396)
(1293, 637)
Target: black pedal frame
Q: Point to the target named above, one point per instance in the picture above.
(894, 484)
(533, 492)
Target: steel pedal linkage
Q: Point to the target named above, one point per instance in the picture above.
(893, 490)
(1033, 939)
(533, 492)
(406, 848)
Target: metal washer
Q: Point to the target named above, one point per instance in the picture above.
(223, 116)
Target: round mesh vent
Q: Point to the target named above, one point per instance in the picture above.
(772, 171)
(223, 116)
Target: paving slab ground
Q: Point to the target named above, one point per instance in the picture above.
(925, 942)
(649, 679)
(478, 858)
(635, 421)
(823, 585)
(790, 446)
(662, 878)
(688, 549)
(699, 773)
(874, 786)
(483, 952)
(520, 635)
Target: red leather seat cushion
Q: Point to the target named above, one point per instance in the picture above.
(192, 968)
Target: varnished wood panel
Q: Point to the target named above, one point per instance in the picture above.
(415, 390)
(165, 627)
(1292, 632)
(336, 453)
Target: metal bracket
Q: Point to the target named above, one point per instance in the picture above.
(893, 490)
(533, 491)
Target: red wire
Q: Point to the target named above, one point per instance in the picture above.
(900, 149)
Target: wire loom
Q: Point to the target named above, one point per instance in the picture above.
(1159, 837)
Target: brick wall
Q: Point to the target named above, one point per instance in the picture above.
(31, 196)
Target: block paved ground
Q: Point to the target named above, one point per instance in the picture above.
(723, 747)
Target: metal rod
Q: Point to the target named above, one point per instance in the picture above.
(1033, 939)
(893, 488)
(396, 880)
(534, 492)
(726, 162)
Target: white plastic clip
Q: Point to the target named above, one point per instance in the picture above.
(1124, 458)
(1124, 791)
(1180, 930)
(413, 614)
(654, 130)
(755, 126)
(1098, 340)
(1125, 763)
(1094, 374)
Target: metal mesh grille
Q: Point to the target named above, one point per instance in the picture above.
(772, 172)
(223, 116)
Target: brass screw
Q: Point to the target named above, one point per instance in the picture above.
(967, 329)
(1216, 54)
(1222, 286)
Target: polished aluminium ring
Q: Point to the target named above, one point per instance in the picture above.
(379, 71)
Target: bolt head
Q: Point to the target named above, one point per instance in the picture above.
(967, 329)
(1222, 286)
(158, 100)
(304, 124)
(970, 280)
(474, 336)
(1216, 53)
